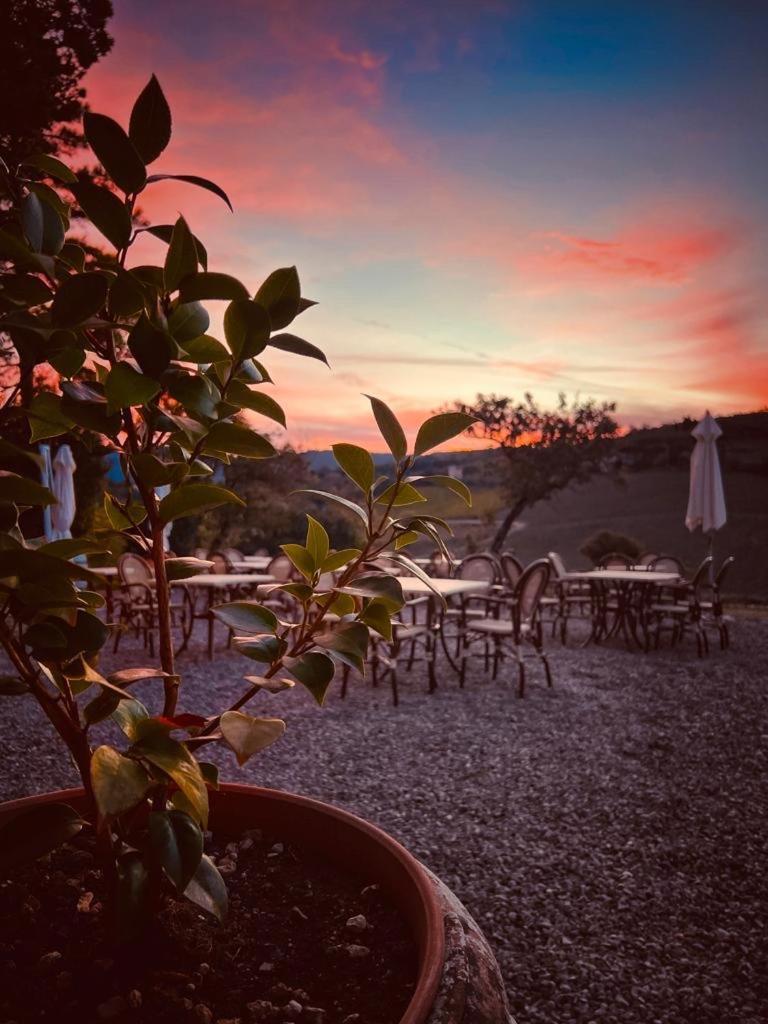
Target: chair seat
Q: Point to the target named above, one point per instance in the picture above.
(401, 631)
(499, 627)
(671, 609)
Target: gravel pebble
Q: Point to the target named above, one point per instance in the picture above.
(608, 834)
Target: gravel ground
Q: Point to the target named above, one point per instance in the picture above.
(609, 835)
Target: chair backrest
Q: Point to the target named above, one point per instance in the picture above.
(557, 563)
(234, 554)
(722, 572)
(511, 568)
(702, 576)
(478, 567)
(439, 566)
(647, 559)
(221, 563)
(281, 567)
(616, 560)
(530, 589)
(667, 563)
(133, 569)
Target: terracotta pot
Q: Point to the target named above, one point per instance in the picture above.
(458, 980)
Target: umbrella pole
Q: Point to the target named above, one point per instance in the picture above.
(711, 553)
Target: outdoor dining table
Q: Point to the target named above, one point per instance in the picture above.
(250, 565)
(621, 584)
(214, 584)
(447, 588)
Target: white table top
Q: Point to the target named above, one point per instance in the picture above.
(251, 566)
(626, 576)
(258, 561)
(448, 588)
(225, 579)
(103, 570)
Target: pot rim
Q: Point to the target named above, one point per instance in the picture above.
(429, 930)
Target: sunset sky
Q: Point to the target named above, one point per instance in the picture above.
(482, 196)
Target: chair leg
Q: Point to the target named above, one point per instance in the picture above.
(393, 683)
(520, 677)
(430, 653)
(545, 662)
(496, 658)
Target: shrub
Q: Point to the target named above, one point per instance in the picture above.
(606, 542)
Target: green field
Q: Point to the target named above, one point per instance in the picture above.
(650, 506)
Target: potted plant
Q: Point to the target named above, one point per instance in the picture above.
(130, 365)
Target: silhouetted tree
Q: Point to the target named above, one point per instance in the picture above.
(46, 46)
(545, 449)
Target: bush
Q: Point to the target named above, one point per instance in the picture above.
(606, 542)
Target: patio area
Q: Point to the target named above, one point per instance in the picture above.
(608, 834)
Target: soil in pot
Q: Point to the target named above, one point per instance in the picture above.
(302, 942)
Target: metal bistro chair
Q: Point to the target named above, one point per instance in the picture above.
(452, 625)
(712, 607)
(573, 597)
(520, 628)
(681, 611)
(615, 560)
(136, 604)
(647, 559)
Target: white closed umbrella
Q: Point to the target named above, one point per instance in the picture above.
(63, 512)
(46, 479)
(706, 501)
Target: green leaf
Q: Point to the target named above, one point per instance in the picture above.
(79, 297)
(246, 617)
(405, 494)
(188, 321)
(51, 166)
(357, 463)
(280, 295)
(20, 490)
(256, 401)
(314, 671)
(156, 473)
(126, 295)
(271, 685)
(73, 255)
(211, 286)
(382, 586)
(390, 428)
(150, 126)
(205, 349)
(207, 889)
(299, 347)
(351, 506)
(192, 179)
(347, 644)
(246, 328)
(438, 429)
(46, 417)
(115, 152)
(176, 845)
(336, 559)
(301, 558)
(68, 361)
(178, 763)
(237, 439)
(32, 221)
(119, 783)
(33, 833)
(317, 541)
(181, 257)
(417, 571)
(246, 735)
(125, 387)
(265, 649)
(197, 393)
(151, 347)
(128, 715)
(25, 289)
(404, 539)
(186, 568)
(105, 211)
(53, 228)
(450, 483)
(193, 499)
(377, 616)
